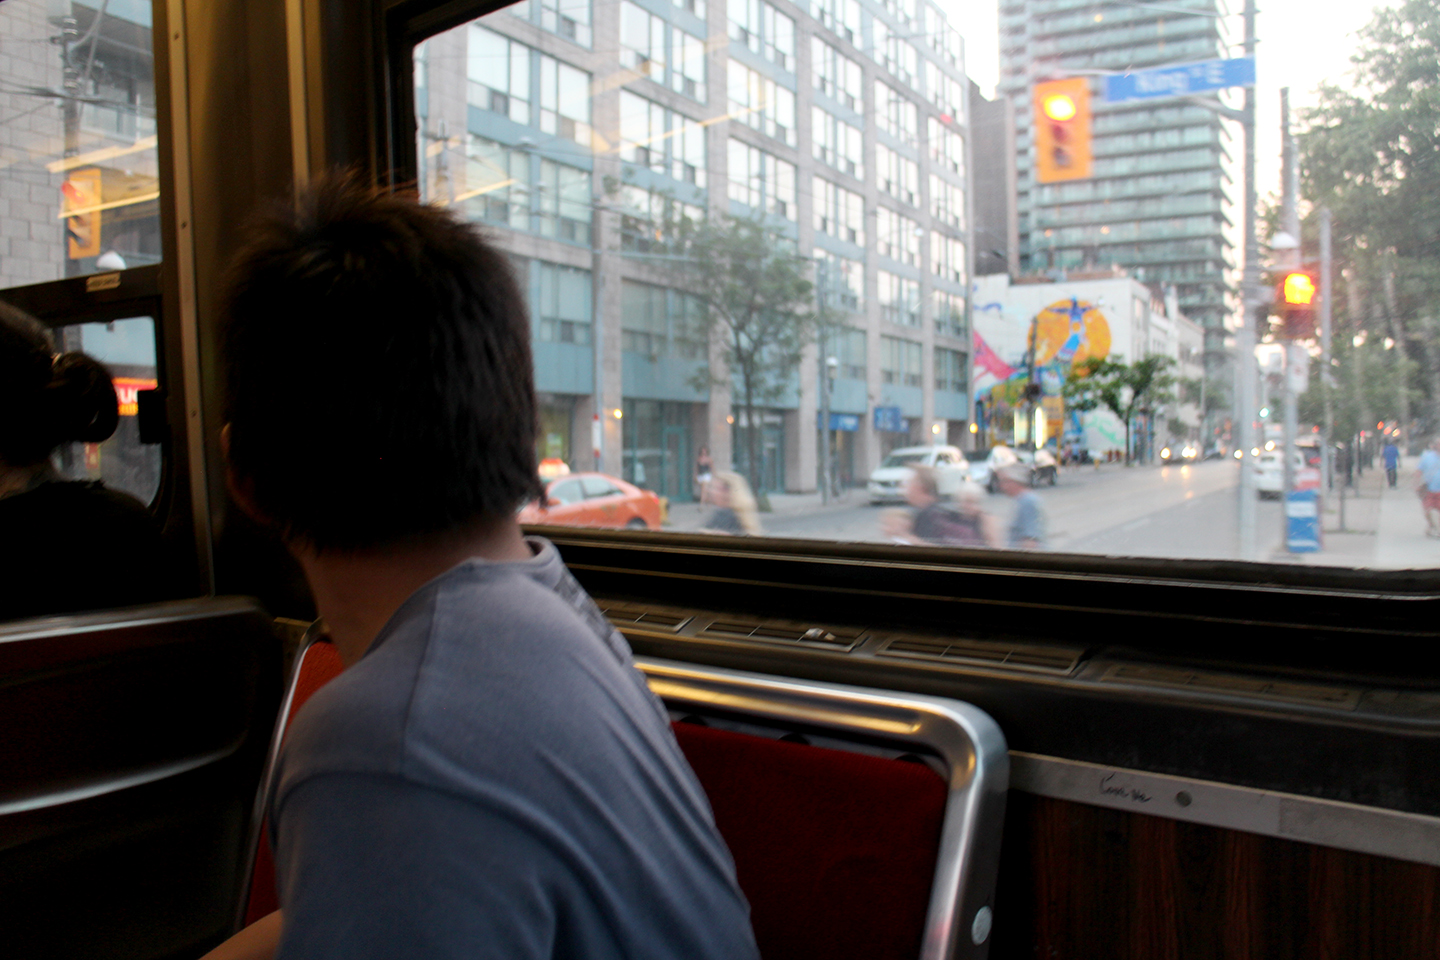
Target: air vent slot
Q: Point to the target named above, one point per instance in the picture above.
(637, 615)
(1339, 698)
(1020, 656)
(783, 631)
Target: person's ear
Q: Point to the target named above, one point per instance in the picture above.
(241, 488)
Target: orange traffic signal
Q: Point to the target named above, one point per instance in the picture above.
(1298, 289)
(1062, 130)
(1296, 295)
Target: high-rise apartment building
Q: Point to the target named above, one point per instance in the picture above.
(1157, 202)
(568, 127)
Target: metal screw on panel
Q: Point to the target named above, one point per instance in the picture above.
(1184, 799)
(980, 929)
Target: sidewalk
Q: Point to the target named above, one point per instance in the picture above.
(690, 516)
(1400, 541)
(1384, 528)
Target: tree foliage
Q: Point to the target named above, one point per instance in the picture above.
(1370, 152)
(760, 311)
(1124, 389)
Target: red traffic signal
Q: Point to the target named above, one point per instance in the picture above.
(1297, 293)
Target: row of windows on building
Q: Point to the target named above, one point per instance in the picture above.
(534, 89)
(764, 30)
(660, 321)
(516, 188)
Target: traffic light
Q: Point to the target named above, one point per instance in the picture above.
(1296, 295)
(1062, 130)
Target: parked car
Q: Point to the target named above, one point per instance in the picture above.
(1044, 468)
(1270, 472)
(887, 482)
(594, 500)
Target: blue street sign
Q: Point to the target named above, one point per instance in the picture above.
(1181, 80)
(888, 420)
(846, 422)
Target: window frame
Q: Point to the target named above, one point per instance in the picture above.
(1177, 596)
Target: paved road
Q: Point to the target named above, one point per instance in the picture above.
(1180, 511)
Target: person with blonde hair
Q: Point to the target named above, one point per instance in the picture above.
(735, 509)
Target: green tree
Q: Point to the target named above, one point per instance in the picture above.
(760, 310)
(1370, 152)
(1124, 389)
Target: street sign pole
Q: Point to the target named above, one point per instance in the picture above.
(1245, 370)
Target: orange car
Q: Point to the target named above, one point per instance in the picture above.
(594, 500)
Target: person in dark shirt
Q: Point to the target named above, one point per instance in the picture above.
(735, 511)
(65, 546)
(490, 776)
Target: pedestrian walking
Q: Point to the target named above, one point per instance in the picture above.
(1427, 485)
(1027, 526)
(1392, 463)
(735, 509)
(704, 474)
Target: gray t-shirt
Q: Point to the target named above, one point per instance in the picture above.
(494, 779)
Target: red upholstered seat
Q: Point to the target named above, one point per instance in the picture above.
(319, 664)
(835, 850)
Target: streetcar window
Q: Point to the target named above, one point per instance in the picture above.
(1070, 300)
(127, 348)
(79, 179)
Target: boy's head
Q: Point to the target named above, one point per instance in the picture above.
(379, 375)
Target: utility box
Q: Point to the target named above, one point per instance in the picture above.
(1302, 521)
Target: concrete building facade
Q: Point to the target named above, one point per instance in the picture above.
(1158, 202)
(568, 128)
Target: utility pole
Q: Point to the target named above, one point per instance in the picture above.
(1327, 379)
(1245, 371)
(1294, 354)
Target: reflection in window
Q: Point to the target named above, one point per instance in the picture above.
(499, 74)
(658, 322)
(836, 75)
(899, 299)
(949, 314)
(127, 348)
(648, 216)
(897, 175)
(838, 212)
(667, 55)
(494, 184)
(79, 174)
(895, 54)
(837, 143)
(901, 362)
(848, 346)
(947, 257)
(842, 16)
(564, 307)
(947, 147)
(950, 370)
(659, 139)
(761, 182)
(564, 202)
(897, 236)
(840, 281)
(947, 202)
(762, 29)
(761, 104)
(896, 114)
(567, 18)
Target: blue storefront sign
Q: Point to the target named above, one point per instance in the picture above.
(847, 422)
(1181, 80)
(888, 420)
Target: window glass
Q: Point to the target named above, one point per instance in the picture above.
(127, 348)
(598, 487)
(567, 491)
(601, 171)
(762, 104)
(79, 182)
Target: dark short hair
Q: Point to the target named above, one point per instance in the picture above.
(380, 387)
(47, 400)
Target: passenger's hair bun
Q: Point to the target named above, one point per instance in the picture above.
(81, 400)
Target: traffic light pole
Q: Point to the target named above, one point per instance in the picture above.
(1245, 368)
(1290, 213)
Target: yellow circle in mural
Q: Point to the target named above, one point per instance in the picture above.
(1073, 331)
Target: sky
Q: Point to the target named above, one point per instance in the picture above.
(1301, 43)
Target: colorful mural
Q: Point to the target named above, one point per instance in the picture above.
(1069, 332)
